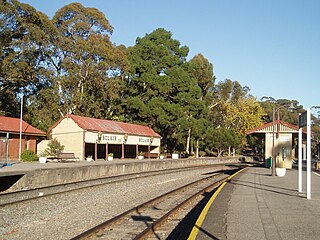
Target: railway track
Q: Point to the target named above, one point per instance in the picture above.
(33, 194)
(145, 221)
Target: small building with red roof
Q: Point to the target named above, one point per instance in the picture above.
(11, 127)
(86, 136)
(282, 134)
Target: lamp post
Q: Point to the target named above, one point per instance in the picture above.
(149, 146)
(99, 136)
(125, 139)
(274, 110)
(273, 171)
(20, 131)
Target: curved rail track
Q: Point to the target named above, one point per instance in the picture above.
(145, 220)
(32, 194)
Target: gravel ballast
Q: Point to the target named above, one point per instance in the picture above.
(66, 215)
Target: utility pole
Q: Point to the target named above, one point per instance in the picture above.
(20, 137)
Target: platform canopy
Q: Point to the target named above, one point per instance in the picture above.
(279, 126)
(281, 135)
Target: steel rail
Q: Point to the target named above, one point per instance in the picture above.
(155, 225)
(94, 231)
(22, 195)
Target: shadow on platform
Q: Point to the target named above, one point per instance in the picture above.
(8, 181)
(265, 188)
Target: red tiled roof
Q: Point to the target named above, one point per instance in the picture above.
(103, 125)
(267, 125)
(12, 125)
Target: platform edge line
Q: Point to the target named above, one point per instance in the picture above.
(198, 224)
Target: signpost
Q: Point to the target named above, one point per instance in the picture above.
(305, 120)
(300, 157)
(308, 154)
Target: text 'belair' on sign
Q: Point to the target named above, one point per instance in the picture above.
(144, 140)
(109, 138)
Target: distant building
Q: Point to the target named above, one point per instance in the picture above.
(284, 135)
(86, 136)
(29, 139)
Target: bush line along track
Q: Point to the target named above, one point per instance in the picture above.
(31, 194)
(145, 219)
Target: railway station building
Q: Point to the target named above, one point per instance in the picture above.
(10, 137)
(86, 136)
(284, 135)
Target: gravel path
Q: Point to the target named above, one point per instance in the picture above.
(67, 215)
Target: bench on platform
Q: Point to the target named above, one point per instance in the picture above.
(67, 156)
(152, 155)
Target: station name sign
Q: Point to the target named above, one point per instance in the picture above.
(303, 119)
(110, 138)
(144, 140)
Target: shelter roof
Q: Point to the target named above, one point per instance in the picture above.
(282, 125)
(103, 125)
(12, 125)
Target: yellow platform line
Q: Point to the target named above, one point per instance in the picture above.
(197, 226)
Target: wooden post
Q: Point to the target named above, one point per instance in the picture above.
(122, 157)
(107, 151)
(137, 151)
(95, 151)
(84, 146)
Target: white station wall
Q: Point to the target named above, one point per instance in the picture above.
(92, 137)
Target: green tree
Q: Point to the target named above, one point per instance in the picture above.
(161, 91)
(8, 102)
(87, 70)
(202, 70)
(25, 40)
(243, 115)
(232, 107)
(54, 148)
(45, 108)
(285, 114)
(88, 66)
(220, 139)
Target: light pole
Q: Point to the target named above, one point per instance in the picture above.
(20, 131)
(274, 110)
(273, 171)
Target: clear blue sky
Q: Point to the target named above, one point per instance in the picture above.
(271, 46)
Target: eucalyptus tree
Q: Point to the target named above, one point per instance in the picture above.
(26, 37)
(160, 90)
(232, 107)
(202, 70)
(285, 114)
(88, 66)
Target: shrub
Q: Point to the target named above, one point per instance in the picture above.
(202, 153)
(28, 156)
(54, 147)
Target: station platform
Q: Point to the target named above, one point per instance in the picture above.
(30, 175)
(255, 205)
